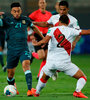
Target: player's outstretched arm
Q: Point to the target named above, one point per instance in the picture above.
(77, 38)
(42, 24)
(85, 32)
(43, 41)
(37, 31)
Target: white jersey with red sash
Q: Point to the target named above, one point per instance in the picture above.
(54, 20)
(59, 48)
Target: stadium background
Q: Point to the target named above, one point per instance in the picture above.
(78, 8)
(64, 86)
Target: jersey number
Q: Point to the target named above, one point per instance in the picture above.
(61, 37)
(18, 25)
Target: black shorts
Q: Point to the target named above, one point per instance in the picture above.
(38, 38)
(13, 57)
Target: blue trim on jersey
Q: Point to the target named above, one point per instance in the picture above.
(31, 24)
(1, 53)
(10, 80)
(27, 72)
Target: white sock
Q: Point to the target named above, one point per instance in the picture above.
(80, 84)
(40, 86)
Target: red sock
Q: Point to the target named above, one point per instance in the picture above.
(41, 66)
(35, 55)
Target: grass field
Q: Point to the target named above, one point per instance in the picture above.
(61, 89)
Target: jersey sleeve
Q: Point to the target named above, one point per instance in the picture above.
(50, 32)
(32, 16)
(50, 20)
(75, 32)
(76, 25)
(30, 24)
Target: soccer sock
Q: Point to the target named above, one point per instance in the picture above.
(35, 55)
(41, 84)
(11, 81)
(41, 66)
(28, 76)
(1, 59)
(80, 84)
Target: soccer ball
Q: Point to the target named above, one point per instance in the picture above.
(10, 90)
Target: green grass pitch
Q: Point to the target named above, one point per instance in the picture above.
(61, 89)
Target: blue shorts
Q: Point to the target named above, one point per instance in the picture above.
(14, 57)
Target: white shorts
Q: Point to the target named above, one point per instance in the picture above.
(68, 68)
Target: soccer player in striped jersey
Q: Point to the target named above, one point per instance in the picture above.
(60, 40)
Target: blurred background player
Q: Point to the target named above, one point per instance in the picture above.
(56, 11)
(54, 20)
(40, 15)
(2, 43)
(60, 40)
(16, 37)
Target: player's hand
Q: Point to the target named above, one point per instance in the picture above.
(1, 13)
(35, 23)
(73, 45)
(43, 46)
(34, 42)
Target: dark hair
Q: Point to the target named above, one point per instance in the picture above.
(64, 3)
(64, 19)
(15, 4)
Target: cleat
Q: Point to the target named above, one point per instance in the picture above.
(79, 95)
(54, 77)
(29, 93)
(34, 92)
(17, 92)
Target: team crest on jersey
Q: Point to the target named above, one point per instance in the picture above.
(23, 21)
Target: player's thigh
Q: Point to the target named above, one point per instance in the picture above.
(70, 69)
(25, 55)
(49, 69)
(41, 53)
(12, 60)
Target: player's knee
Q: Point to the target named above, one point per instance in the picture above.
(41, 54)
(84, 77)
(80, 74)
(26, 65)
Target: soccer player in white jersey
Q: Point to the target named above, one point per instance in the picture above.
(54, 20)
(60, 40)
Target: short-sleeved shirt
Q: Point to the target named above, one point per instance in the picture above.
(54, 20)
(16, 32)
(60, 43)
(38, 16)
